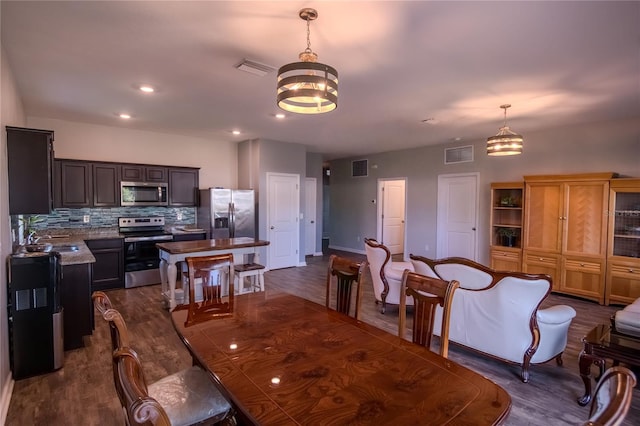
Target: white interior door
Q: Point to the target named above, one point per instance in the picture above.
(310, 216)
(391, 214)
(457, 215)
(283, 226)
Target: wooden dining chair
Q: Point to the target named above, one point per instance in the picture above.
(184, 398)
(612, 397)
(214, 274)
(346, 273)
(117, 327)
(427, 293)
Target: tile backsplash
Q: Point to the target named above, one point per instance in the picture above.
(107, 217)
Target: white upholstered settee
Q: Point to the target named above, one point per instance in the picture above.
(497, 313)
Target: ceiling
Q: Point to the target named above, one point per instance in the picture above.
(411, 73)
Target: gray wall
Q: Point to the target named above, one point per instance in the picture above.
(595, 147)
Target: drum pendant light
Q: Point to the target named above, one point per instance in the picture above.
(505, 142)
(307, 87)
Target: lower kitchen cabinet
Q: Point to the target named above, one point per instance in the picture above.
(75, 297)
(108, 270)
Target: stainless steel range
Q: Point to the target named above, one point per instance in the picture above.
(141, 259)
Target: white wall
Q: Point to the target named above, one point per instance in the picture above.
(217, 159)
(11, 114)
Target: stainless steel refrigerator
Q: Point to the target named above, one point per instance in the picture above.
(227, 213)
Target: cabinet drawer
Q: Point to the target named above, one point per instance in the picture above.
(583, 266)
(623, 270)
(541, 259)
(507, 255)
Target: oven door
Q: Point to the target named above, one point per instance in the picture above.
(140, 255)
(143, 194)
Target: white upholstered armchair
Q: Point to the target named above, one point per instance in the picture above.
(386, 275)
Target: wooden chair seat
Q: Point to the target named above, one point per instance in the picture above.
(346, 274)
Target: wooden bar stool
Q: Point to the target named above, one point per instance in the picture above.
(255, 272)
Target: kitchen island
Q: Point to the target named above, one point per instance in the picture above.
(171, 253)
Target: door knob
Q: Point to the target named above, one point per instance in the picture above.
(313, 221)
(273, 227)
(473, 229)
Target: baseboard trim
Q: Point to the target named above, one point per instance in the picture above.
(318, 253)
(302, 263)
(7, 391)
(349, 249)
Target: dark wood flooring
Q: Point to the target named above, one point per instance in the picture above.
(82, 392)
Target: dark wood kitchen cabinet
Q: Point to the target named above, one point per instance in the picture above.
(106, 185)
(183, 186)
(75, 298)
(73, 187)
(30, 169)
(142, 173)
(108, 269)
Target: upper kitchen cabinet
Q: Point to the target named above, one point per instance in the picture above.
(565, 231)
(73, 184)
(183, 186)
(106, 184)
(30, 166)
(142, 173)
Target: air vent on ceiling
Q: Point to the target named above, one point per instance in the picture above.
(360, 168)
(255, 68)
(461, 154)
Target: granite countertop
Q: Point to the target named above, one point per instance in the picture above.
(64, 240)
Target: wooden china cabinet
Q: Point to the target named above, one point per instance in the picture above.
(506, 226)
(565, 231)
(623, 264)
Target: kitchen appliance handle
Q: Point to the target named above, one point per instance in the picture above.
(232, 220)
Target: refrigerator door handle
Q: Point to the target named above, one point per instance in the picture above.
(232, 220)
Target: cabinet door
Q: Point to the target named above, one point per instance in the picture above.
(108, 269)
(585, 218)
(132, 173)
(543, 216)
(543, 263)
(75, 184)
(183, 187)
(583, 277)
(106, 185)
(155, 174)
(504, 260)
(29, 164)
(623, 281)
(75, 297)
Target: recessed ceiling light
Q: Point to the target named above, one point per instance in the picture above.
(124, 116)
(147, 89)
(280, 116)
(236, 132)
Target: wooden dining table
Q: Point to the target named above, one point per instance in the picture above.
(283, 360)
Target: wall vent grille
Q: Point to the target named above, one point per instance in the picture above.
(461, 154)
(360, 168)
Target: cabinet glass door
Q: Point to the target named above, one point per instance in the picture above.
(626, 228)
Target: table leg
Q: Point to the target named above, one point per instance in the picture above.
(585, 362)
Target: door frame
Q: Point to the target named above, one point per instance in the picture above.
(441, 210)
(380, 196)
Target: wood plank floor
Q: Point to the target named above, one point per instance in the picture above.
(83, 393)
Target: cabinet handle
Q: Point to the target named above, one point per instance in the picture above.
(542, 258)
(631, 270)
(582, 264)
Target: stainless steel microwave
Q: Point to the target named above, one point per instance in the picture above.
(143, 194)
